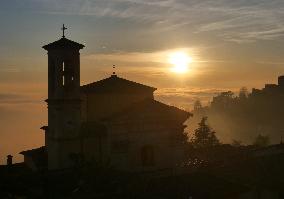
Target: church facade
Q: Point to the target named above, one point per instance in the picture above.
(113, 122)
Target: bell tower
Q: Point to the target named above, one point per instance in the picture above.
(62, 139)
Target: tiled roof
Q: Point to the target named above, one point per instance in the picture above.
(32, 152)
(154, 108)
(63, 43)
(38, 155)
(116, 84)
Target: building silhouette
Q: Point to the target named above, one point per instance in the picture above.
(117, 123)
(270, 89)
(113, 122)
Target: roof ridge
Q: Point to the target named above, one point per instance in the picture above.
(115, 80)
(133, 81)
(168, 106)
(89, 84)
(63, 42)
(43, 148)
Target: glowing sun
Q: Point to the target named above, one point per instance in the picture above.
(180, 62)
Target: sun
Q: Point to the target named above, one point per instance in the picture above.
(180, 62)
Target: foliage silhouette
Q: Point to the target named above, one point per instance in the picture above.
(261, 141)
(204, 136)
(245, 115)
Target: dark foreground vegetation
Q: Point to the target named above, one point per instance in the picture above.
(219, 171)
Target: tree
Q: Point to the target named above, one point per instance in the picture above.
(236, 143)
(197, 105)
(204, 136)
(261, 141)
(243, 94)
(223, 101)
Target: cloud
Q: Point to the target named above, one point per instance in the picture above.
(185, 97)
(271, 63)
(144, 57)
(235, 21)
(9, 69)
(11, 98)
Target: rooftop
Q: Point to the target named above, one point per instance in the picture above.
(154, 108)
(116, 84)
(37, 151)
(63, 43)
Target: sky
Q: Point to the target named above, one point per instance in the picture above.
(231, 43)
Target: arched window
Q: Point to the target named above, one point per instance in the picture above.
(147, 155)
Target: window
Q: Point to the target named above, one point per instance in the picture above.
(63, 77)
(147, 156)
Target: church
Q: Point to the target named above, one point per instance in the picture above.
(113, 122)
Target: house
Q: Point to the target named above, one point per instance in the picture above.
(35, 159)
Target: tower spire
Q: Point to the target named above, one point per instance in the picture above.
(63, 31)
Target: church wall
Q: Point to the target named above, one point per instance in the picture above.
(63, 133)
(101, 105)
(96, 150)
(84, 98)
(64, 120)
(64, 153)
(158, 136)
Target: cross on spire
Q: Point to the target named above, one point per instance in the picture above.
(63, 31)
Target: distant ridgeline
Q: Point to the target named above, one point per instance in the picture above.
(247, 115)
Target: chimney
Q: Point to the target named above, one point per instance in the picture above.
(9, 160)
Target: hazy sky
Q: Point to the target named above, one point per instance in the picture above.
(233, 43)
